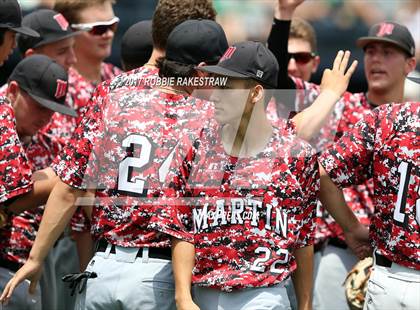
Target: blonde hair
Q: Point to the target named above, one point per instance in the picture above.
(71, 8)
(301, 29)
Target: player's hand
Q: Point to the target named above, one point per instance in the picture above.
(31, 271)
(337, 79)
(285, 8)
(187, 304)
(358, 240)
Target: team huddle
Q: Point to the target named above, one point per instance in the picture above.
(251, 189)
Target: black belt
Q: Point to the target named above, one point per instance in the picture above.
(337, 243)
(319, 246)
(13, 266)
(382, 261)
(162, 253)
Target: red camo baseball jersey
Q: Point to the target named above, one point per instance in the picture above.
(346, 113)
(18, 237)
(15, 171)
(125, 153)
(51, 139)
(246, 215)
(385, 146)
(15, 180)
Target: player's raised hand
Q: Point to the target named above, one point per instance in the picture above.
(285, 8)
(358, 241)
(337, 79)
(29, 271)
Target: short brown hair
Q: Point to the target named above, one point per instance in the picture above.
(301, 29)
(171, 13)
(71, 8)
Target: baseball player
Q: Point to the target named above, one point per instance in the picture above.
(125, 243)
(10, 24)
(37, 87)
(56, 41)
(137, 45)
(253, 189)
(389, 51)
(384, 145)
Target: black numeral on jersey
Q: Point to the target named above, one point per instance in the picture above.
(136, 186)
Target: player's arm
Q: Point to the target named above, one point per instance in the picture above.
(278, 39)
(334, 84)
(43, 183)
(183, 258)
(332, 199)
(84, 244)
(58, 212)
(302, 277)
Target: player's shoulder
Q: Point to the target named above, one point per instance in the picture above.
(109, 71)
(288, 144)
(305, 85)
(399, 108)
(353, 100)
(6, 110)
(140, 77)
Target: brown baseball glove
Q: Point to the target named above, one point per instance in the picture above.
(356, 283)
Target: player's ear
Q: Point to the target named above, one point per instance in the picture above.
(29, 52)
(410, 65)
(316, 62)
(200, 73)
(12, 91)
(257, 93)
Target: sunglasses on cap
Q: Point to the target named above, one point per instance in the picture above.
(302, 57)
(98, 28)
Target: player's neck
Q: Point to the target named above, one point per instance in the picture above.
(89, 68)
(249, 136)
(378, 98)
(156, 54)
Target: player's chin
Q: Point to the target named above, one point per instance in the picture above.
(378, 85)
(219, 117)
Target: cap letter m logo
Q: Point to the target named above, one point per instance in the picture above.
(385, 29)
(62, 21)
(61, 89)
(229, 53)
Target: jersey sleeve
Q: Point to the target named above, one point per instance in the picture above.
(15, 171)
(75, 163)
(349, 161)
(173, 215)
(309, 178)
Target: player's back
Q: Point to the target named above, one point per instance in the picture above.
(141, 133)
(396, 169)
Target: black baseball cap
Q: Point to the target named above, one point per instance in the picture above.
(414, 79)
(11, 18)
(45, 81)
(137, 42)
(390, 32)
(248, 60)
(51, 26)
(195, 41)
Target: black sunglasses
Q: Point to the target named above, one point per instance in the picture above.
(302, 57)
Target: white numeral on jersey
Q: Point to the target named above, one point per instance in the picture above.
(283, 260)
(125, 183)
(399, 212)
(258, 264)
